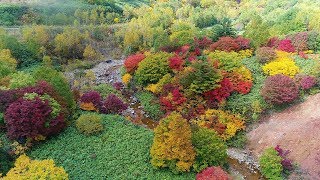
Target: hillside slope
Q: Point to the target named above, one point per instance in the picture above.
(295, 129)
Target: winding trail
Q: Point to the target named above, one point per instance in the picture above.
(296, 129)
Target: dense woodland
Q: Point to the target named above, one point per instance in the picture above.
(204, 72)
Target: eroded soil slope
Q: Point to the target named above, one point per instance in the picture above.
(297, 129)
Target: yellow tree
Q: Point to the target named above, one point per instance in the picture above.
(172, 145)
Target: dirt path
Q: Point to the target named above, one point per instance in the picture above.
(296, 129)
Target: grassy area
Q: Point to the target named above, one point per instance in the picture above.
(120, 152)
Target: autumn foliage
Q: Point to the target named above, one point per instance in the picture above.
(132, 62)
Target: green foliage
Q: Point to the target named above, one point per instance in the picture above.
(252, 104)
(6, 161)
(106, 89)
(5, 70)
(1, 119)
(203, 77)
(308, 66)
(89, 124)
(210, 149)
(270, 164)
(153, 68)
(150, 104)
(227, 60)
(237, 141)
(182, 33)
(59, 83)
(120, 152)
(258, 31)
(21, 80)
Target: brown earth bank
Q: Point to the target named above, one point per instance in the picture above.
(296, 129)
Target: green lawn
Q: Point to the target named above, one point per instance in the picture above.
(120, 152)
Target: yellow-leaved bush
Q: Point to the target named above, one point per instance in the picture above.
(285, 66)
(224, 123)
(157, 88)
(6, 58)
(172, 144)
(126, 78)
(25, 168)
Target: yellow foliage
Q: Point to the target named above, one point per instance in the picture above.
(126, 78)
(6, 58)
(212, 117)
(25, 168)
(246, 53)
(38, 34)
(18, 149)
(88, 106)
(90, 54)
(172, 146)
(244, 72)
(157, 88)
(284, 54)
(285, 66)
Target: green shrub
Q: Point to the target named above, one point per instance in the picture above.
(252, 104)
(120, 152)
(238, 141)
(150, 104)
(5, 70)
(59, 83)
(153, 68)
(227, 60)
(270, 164)
(89, 124)
(6, 162)
(307, 66)
(1, 119)
(105, 90)
(21, 79)
(203, 77)
(210, 149)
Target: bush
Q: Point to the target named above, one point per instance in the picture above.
(6, 161)
(91, 101)
(89, 124)
(106, 89)
(279, 89)
(132, 62)
(210, 149)
(1, 120)
(5, 70)
(200, 77)
(21, 80)
(114, 105)
(60, 85)
(153, 68)
(176, 63)
(225, 44)
(172, 100)
(265, 54)
(299, 41)
(227, 61)
(150, 105)
(305, 82)
(285, 45)
(270, 164)
(282, 66)
(224, 123)
(172, 146)
(25, 168)
(214, 173)
(286, 163)
(7, 59)
(220, 94)
(32, 119)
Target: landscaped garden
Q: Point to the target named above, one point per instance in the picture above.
(152, 90)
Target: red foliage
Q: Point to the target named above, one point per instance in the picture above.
(212, 173)
(114, 105)
(303, 55)
(174, 99)
(299, 41)
(279, 89)
(243, 87)
(225, 44)
(242, 42)
(273, 42)
(176, 63)
(305, 82)
(41, 88)
(31, 118)
(92, 97)
(286, 45)
(118, 85)
(202, 43)
(132, 62)
(221, 93)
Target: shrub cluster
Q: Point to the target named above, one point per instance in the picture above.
(279, 89)
(265, 54)
(216, 173)
(90, 123)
